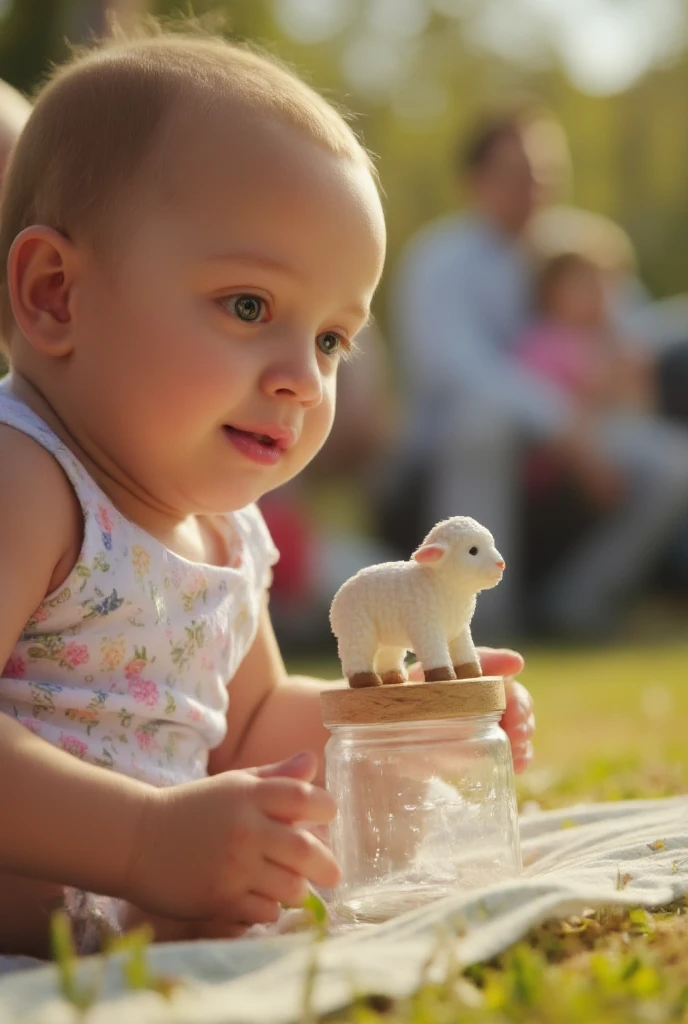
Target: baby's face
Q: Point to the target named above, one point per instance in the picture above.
(208, 354)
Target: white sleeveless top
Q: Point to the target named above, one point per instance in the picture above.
(126, 664)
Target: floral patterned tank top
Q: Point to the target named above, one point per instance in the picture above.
(127, 663)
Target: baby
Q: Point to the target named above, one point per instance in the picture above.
(191, 239)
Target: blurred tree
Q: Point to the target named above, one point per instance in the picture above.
(30, 37)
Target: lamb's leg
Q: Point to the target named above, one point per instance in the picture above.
(464, 656)
(432, 650)
(389, 664)
(357, 655)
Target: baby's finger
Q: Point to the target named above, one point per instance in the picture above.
(303, 766)
(500, 662)
(292, 800)
(300, 852)
(277, 883)
(521, 729)
(522, 756)
(519, 705)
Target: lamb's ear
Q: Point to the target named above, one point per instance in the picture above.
(429, 554)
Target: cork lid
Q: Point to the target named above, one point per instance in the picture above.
(412, 702)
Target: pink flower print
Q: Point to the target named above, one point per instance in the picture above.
(144, 740)
(105, 523)
(145, 737)
(194, 713)
(41, 614)
(134, 668)
(74, 655)
(144, 691)
(73, 745)
(103, 519)
(15, 667)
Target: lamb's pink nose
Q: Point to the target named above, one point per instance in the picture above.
(501, 564)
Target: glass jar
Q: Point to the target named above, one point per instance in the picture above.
(423, 779)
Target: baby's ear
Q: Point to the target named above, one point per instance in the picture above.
(42, 269)
(429, 554)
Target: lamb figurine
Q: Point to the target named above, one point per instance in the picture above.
(424, 605)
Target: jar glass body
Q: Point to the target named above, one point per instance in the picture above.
(424, 808)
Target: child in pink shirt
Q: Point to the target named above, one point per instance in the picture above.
(572, 344)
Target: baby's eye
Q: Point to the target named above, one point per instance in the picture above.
(329, 343)
(473, 551)
(248, 308)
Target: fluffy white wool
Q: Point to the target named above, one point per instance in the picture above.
(424, 605)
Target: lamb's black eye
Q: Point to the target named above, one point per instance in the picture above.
(473, 551)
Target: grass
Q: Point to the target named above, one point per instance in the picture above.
(611, 725)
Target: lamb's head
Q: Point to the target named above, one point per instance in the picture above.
(463, 549)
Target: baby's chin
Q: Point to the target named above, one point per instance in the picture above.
(221, 500)
(232, 487)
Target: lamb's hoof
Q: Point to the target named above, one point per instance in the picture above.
(393, 678)
(361, 680)
(470, 670)
(439, 675)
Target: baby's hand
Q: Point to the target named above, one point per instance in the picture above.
(230, 848)
(518, 720)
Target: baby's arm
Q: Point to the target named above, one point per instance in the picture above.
(65, 822)
(271, 715)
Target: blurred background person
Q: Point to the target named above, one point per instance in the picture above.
(655, 330)
(573, 341)
(462, 296)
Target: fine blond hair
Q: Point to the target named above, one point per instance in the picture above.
(99, 117)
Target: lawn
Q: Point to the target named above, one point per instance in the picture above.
(611, 724)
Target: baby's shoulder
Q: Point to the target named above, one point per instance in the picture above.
(30, 467)
(36, 496)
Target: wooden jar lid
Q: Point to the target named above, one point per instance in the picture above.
(412, 702)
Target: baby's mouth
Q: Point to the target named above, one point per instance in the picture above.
(265, 439)
(258, 447)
